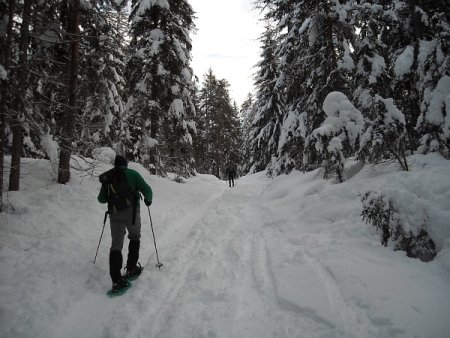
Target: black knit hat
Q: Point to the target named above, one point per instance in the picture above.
(120, 161)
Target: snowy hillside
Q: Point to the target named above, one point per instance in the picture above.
(288, 257)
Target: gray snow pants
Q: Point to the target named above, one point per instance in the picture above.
(122, 221)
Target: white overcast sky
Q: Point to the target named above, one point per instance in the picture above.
(227, 42)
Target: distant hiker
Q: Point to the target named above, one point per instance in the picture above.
(120, 189)
(231, 174)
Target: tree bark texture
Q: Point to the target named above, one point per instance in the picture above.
(72, 83)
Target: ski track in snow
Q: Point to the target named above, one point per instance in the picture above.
(226, 238)
(350, 321)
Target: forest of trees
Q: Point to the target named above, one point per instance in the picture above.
(336, 79)
(349, 78)
(77, 75)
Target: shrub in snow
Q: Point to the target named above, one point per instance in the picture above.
(385, 135)
(407, 232)
(339, 134)
(178, 179)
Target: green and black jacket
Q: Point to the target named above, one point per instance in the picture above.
(136, 183)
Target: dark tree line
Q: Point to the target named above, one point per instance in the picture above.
(219, 136)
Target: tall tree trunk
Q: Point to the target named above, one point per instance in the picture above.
(5, 47)
(72, 107)
(19, 104)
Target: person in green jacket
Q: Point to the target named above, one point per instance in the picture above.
(125, 219)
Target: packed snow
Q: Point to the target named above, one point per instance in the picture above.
(282, 257)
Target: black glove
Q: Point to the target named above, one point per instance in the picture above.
(147, 202)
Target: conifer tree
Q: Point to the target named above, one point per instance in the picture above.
(313, 47)
(246, 111)
(160, 102)
(20, 99)
(102, 120)
(268, 109)
(221, 137)
(432, 30)
(384, 136)
(71, 111)
(49, 55)
(419, 52)
(373, 72)
(204, 118)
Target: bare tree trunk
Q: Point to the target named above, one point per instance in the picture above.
(72, 107)
(5, 47)
(19, 104)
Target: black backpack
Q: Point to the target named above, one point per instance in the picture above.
(118, 193)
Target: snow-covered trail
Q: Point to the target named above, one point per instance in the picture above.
(288, 257)
(218, 280)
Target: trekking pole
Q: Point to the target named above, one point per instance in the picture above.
(98, 246)
(158, 265)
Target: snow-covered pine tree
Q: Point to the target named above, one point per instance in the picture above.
(433, 71)
(419, 50)
(49, 53)
(221, 137)
(339, 135)
(373, 73)
(246, 112)
(159, 76)
(225, 134)
(102, 121)
(233, 137)
(199, 137)
(315, 59)
(385, 134)
(268, 108)
(205, 117)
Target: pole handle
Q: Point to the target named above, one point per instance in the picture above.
(106, 216)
